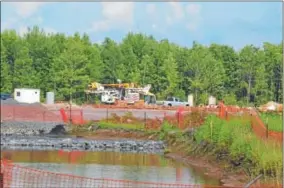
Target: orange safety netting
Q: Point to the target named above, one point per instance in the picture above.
(24, 177)
(75, 116)
(40, 114)
(261, 130)
(258, 126)
(150, 107)
(29, 113)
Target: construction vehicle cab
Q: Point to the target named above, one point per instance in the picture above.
(149, 98)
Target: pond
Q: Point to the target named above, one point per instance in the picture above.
(111, 165)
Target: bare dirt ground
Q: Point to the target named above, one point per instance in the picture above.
(101, 113)
(91, 113)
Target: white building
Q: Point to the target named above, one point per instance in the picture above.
(26, 95)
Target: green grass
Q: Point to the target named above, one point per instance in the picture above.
(237, 138)
(166, 129)
(110, 125)
(274, 121)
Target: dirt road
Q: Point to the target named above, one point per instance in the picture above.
(100, 113)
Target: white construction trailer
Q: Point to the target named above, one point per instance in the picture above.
(27, 95)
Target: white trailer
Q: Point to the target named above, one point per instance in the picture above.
(27, 95)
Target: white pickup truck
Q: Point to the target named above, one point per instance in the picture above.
(173, 101)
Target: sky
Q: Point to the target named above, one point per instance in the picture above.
(236, 24)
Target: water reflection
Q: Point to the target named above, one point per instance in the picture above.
(85, 157)
(128, 166)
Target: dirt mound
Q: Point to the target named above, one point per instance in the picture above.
(271, 106)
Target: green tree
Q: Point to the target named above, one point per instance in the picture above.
(42, 51)
(11, 41)
(130, 62)
(6, 84)
(160, 54)
(182, 58)
(229, 59)
(70, 69)
(274, 68)
(24, 72)
(253, 72)
(112, 61)
(95, 64)
(67, 64)
(147, 70)
(170, 68)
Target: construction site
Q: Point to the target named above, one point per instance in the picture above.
(178, 95)
(123, 106)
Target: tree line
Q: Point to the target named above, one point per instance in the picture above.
(67, 64)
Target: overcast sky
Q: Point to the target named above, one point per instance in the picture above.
(235, 24)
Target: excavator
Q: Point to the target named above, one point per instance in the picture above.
(129, 92)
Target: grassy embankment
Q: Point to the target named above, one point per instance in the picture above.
(273, 120)
(231, 142)
(130, 126)
(236, 139)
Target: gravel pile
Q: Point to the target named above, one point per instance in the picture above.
(52, 143)
(27, 128)
(9, 102)
(14, 102)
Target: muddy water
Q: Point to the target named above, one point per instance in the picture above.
(128, 166)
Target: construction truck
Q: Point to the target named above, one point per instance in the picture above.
(129, 92)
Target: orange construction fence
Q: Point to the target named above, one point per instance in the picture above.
(28, 113)
(40, 114)
(75, 116)
(152, 107)
(261, 130)
(184, 119)
(258, 126)
(181, 120)
(13, 175)
(18, 176)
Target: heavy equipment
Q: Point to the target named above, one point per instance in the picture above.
(129, 92)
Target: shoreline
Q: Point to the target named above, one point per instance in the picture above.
(216, 166)
(211, 169)
(205, 164)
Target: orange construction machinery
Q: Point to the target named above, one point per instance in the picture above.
(130, 93)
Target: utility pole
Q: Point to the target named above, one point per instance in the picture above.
(70, 102)
(249, 86)
(144, 73)
(70, 110)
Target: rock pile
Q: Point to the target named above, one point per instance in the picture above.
(30, 128)
(56, 143)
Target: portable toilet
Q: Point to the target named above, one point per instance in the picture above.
(50, 98)
(190, 100)
(212, 100)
